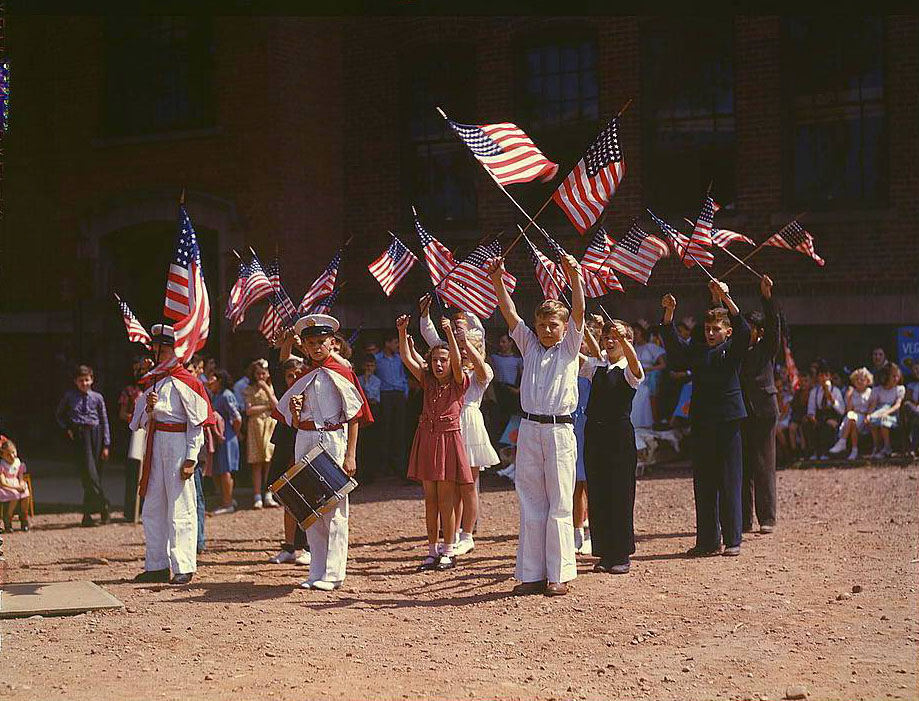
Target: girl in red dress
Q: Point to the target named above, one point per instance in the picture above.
(438, 459)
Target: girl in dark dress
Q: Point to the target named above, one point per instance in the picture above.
(610, 457)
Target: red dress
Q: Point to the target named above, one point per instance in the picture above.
(438, 452)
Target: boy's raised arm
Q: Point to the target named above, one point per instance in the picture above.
(573, 272)
(495, 268)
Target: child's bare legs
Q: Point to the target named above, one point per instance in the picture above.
(580, 504)
(290, 527)
(876, 438)
(24, 505)
(258, 480)
(225, 483)
(885, 437)
(7, 508)
(446, 496)
(431, 511)
(781, 441)
(467, 497)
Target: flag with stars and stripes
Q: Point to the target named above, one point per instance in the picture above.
(469, 288)
(594, 285)
(506, 152)
(322, 286)
(795, 237)
(281, 313)
(724, 237)
(702, 230)
(187, 302)
(256, 287)
(324, 305)
(436, 256)
(682, 246)
(392, 265)
(548, 274)
(236, 292)
(584, 194)
(136, 331)
(636, 254)
(595, 263)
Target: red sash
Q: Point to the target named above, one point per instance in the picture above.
(148, 453)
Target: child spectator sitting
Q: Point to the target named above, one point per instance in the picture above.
(797, 441)
(911, 410)
(14, 491)
(886, 398)
(857, 401)
(783, 438)
(825, 409)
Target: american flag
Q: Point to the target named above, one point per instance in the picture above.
(469, 288)
(550, 277)
(323, 285)
(636, 254)
(136, 331)
(236, 292)
(324, 305)
(796, 238)
(506, 152)
(584, 194)
(593, 284)
(353, 337)
(437, 256)
(682, 246)
(724, 237)
(392, 265)
(257, 286)
(281, 312)
(595, 266)
(702, 230)
(185, 289)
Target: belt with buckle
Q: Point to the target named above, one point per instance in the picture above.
(544, 419)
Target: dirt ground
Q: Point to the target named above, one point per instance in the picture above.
(780, 616)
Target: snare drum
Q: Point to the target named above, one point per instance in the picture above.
(312, 487)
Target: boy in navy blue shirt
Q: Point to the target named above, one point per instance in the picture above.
(716, 413)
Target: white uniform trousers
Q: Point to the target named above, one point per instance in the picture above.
(170, 511)
(328, 536)
(544, 479)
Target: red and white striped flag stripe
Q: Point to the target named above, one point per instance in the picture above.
(256, 287)
(322, 286)
(506, 152)
(584, 194)
(795, 237)
(136, 331)
(469, 288)
(436, 256)
(392, 265)
(549, 276)
(724, 237)
(636, 254)
(597, 273)
(236, 292)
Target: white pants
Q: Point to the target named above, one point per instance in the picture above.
(170, 510)
(328, 537)
(544, 479)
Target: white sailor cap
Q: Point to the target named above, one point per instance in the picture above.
(163, 334)
(316, 325)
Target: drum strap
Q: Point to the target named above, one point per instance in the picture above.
(310, 426)
(148, 452)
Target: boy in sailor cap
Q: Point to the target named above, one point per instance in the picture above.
(174, 410)
(327, 406)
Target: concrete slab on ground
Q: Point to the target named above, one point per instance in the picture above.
(54, 599)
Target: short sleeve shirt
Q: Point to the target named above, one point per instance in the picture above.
(549, 382)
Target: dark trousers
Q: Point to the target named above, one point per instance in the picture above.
(368, 448)
(820, 434)
(199, 502)
(131, 475)
(87, 455)
(610, 461)
(392, 440)
(717, 474)
(758, 470)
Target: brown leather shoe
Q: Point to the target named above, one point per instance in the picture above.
(556, 589)
(529, 588)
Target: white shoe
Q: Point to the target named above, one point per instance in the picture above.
(323, 585)
(282, 557)
(854, 454)
(270, 501)
(838, 447)
(307, 584)
(578, 539)
(302, 557)
(586, 547)
(220, 511)
(813, 457)
(465, 545)
(257, 502)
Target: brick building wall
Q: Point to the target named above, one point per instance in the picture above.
(309, 148)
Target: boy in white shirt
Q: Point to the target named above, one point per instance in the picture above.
(546, 446)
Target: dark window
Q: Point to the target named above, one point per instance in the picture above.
(835, 76)
(440, 172)
(159, 75)
(558, 83)
(687, 77)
